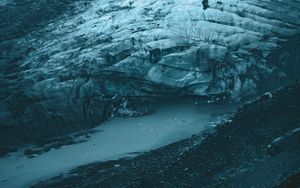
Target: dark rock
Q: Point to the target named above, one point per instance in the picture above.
(205, 4)
(292, 181)
(4, 151)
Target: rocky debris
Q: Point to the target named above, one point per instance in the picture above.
(4, 151)
(129, 109)
(292, 181)
(234, 155)
(44, 145)
(61, 142)
(281, 143)
(205, 4)
(59, 73)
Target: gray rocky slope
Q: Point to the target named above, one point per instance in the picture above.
(65, 64)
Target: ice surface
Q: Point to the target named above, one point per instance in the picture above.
(118, 137)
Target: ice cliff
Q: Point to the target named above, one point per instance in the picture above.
(64, 64)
